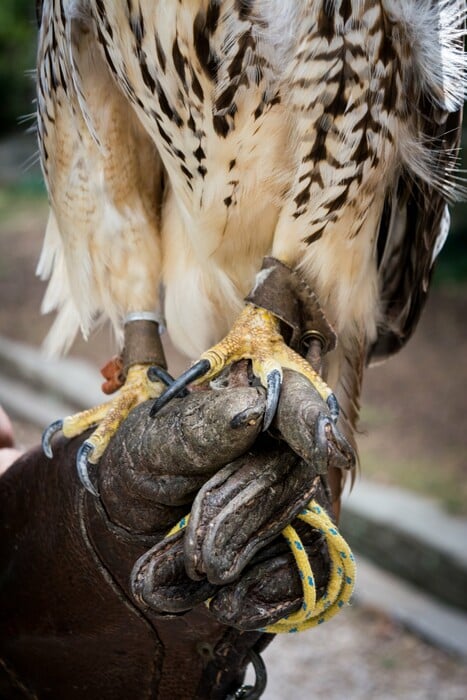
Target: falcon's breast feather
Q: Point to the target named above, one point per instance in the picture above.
(184, 142)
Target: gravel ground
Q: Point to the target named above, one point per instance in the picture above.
(361, 655)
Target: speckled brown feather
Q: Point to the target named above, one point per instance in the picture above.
(323, 133)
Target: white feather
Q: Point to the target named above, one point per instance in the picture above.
(435, 33)
(442, 235)
(211, 252)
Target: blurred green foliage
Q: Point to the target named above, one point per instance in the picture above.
(18, 30)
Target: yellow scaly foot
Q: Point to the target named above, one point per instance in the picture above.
(138, 387)
(255, 335)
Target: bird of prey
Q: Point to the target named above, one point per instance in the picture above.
(185, 141)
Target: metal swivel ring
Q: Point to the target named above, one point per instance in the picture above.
(248, 692)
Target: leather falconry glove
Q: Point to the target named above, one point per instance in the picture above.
(69, 624)
(232, 539)
(78, 617)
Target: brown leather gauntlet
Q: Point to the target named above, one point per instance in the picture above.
(78, 618)
(69, 624)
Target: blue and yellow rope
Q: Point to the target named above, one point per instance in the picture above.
(341, 579)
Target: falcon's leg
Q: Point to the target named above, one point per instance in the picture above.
(102, 250)
(141, 340)
(108, 416)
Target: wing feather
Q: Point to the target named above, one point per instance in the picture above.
(416, 218)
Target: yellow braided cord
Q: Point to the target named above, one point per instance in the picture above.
(179, 526)
(341, 578)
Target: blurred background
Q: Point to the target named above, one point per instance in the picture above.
(414, 416)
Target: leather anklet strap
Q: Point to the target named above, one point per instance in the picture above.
(142, 344)
(283, 292)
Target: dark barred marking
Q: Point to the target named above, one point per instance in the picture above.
(160, 54)
(171, 114)
(199, 154)
(314, 237)
(212, 16)
(196, 86)
(137, 27)
(221, 125)
(179, 61)
(208, 61)
(147, 77)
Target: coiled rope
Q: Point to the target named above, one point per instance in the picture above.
(341, 580)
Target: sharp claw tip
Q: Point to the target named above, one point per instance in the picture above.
(267, 423)
(154, 409)
(47, 450)
(274, 384)
(47, 436)
(82, 464)
(178, 387)
(333, 407)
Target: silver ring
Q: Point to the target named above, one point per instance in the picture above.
(142, 316)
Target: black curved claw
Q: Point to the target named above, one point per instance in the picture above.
(333, 406)
(156, 373)
(198, 370)
(47, 436)
(82, 466)
(274, 380)
(246, 692)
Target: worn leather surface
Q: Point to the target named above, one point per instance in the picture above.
(304, 423)
(66, 631)
(238, 514)
(270, 587)
(142, 345)
(267, 587)
(153, 469)
(68, 626)
(242, 509)
(274, 291)
(285, 293)
(94, 604)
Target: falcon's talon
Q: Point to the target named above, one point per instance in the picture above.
(333, 406)
(82, 466)
(255, 336)
(274, 384)
(159, 374)
(47, 436)
(198, 370)
(104, 420)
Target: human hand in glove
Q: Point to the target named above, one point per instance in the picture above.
(175, 465)
(77, 602)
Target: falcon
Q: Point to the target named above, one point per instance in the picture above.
(200, 154)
